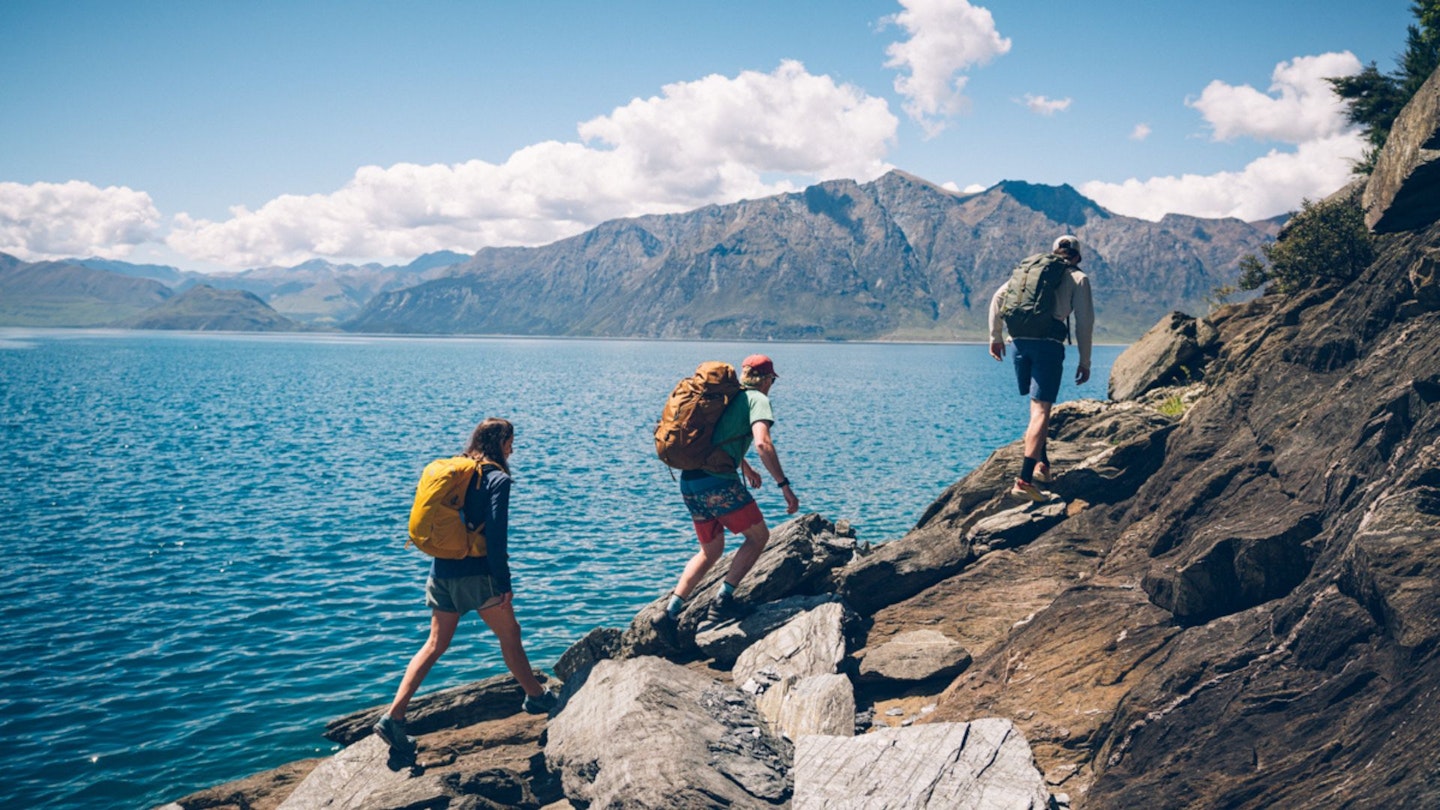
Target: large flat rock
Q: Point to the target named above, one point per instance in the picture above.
(646, 733)
(945, 766)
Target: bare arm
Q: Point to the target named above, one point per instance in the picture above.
(765, 448)
(997, 327)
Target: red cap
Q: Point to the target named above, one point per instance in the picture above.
(761, 365)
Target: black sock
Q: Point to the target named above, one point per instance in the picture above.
(1044, 456)
(1027, 471)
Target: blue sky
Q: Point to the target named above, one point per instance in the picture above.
(215, 135)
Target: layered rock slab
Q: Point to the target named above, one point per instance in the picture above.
(945, 766)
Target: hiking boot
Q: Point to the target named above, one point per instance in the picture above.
(1042, 473)
(392, 731)
(725, 606)
(667, 628)
(1025, 489)
(541, 703)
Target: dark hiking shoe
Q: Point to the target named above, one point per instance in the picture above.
(724, 607)
(392, 731)
(667, 628)
(540, 704)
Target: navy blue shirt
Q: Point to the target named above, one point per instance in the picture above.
(487, 502)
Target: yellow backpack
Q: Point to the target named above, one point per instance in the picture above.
(437, 518)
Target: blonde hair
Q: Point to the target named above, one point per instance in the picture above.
(751, 379)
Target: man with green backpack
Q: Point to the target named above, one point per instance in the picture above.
(1034, 306)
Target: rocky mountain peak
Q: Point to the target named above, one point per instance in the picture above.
(1061, 204)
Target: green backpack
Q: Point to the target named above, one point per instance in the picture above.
(1028, 306)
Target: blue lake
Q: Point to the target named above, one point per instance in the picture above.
(203, 534)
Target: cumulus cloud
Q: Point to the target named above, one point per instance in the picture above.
(1268, 186)
(1301, 109)
(1041, 105)
(714, 140)
(946, 37)
(1140, 132)
(44, 221)
(1300, 106)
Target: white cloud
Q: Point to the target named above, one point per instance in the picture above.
(1268, 186)
(946, 37)
(44, 221)
(1301, 105)
(1041, 105)
(714, 140)
(1302, 110)
(1140, 132)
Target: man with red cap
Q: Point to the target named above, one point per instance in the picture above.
(720, 500)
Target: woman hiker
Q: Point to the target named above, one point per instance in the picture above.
(482, 584)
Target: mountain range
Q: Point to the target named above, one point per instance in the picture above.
(896, 258)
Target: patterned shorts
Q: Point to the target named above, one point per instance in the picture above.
(717, 504)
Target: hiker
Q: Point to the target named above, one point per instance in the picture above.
(720, 500)
(480, 583)
(1039, 344)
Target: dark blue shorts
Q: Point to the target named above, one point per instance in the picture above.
(1039, 365)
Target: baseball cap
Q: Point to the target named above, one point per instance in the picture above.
(1066, 242)
(760, 364)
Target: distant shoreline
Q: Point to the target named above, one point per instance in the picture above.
(11, 332)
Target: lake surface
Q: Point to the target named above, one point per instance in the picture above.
(203, 534)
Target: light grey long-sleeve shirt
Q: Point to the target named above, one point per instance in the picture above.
(1073, 297)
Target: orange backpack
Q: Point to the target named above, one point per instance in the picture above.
(684, 439)
(437, 518)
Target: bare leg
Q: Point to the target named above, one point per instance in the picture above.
(1038, 430)
(442, 630)
(745, 557)
(502, 622)
(699, 566)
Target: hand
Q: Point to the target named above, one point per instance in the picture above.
(997, 349)
(1082, 374)
(752, 477)
(792, 503)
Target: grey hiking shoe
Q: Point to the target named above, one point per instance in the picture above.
(540, 704)
(1042, 473)
(392, 731)
(725, 606)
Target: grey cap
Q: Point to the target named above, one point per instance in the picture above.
(1066, 242)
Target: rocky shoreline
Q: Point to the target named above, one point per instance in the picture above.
(1233, 600)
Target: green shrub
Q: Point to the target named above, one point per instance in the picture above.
(1174, 407)
(1374, 99)
(1326, 241)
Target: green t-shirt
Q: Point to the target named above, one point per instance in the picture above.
(732, 432)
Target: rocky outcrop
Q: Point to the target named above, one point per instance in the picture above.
(1404, 189)
(1171, 353)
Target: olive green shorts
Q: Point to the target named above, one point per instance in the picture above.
(462, 594)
